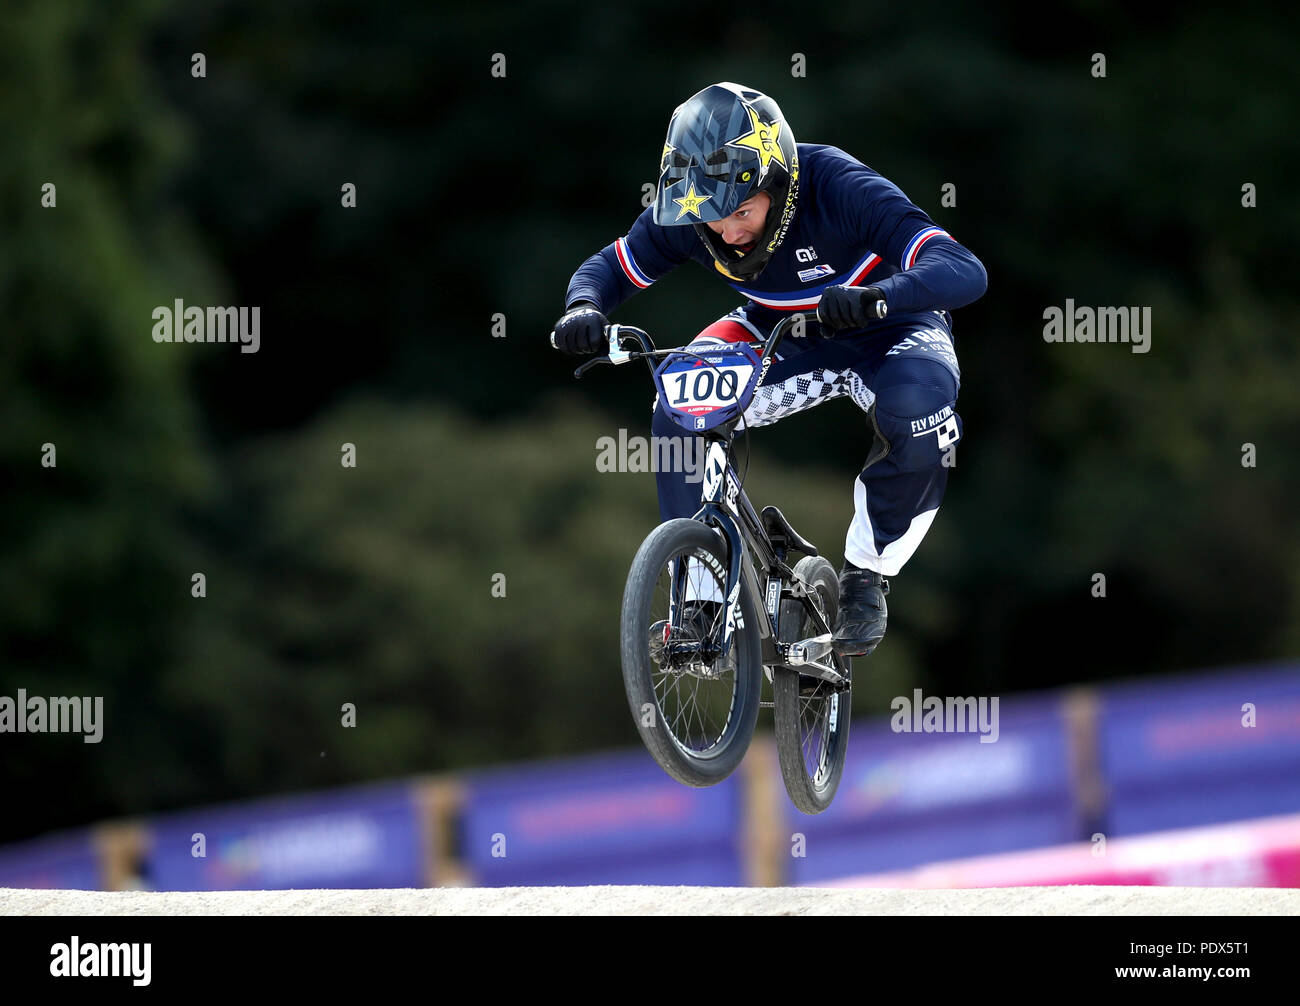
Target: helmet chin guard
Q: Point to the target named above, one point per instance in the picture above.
(745, 266)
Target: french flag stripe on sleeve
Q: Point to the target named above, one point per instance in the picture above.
(914, 246)
(864, 267)
(629, 265)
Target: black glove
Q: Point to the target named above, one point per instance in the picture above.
(851, 306)
(581, 330)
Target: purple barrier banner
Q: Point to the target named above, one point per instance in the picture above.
(1194, 728)
(894, 776)
(613, 818)
(996, 829)
(1201, 750)
(910, 797)
(65, 861)
(369, 836)
(712, 865)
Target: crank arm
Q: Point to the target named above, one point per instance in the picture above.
(814, 655)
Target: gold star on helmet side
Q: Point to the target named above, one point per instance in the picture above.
(762, 139)
(690, 203)
(663, 158)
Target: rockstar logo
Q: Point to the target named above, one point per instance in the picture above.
(690, 203)
(762, 139)
(663, 158)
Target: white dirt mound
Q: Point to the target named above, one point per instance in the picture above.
(666, 901)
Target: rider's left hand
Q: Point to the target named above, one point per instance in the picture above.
(850, 306)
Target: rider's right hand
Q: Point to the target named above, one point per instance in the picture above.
(581, 330)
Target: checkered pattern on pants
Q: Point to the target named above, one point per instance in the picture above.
(803, 391)
(800, 392)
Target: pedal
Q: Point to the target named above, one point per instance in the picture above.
(808, 651)
(814, 657)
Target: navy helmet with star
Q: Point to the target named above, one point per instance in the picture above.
(725, 144)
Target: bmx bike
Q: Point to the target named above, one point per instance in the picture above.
(712, 606)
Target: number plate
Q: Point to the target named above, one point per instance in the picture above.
(701, 390)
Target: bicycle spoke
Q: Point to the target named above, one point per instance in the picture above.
(695, 705)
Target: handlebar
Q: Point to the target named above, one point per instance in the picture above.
(798, 318)
(618, 355)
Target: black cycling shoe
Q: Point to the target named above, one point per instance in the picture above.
(860, 624)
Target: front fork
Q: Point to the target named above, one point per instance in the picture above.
(722, 522)
(717, 498)
(718, 495)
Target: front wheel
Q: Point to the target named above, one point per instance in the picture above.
(694, 708)
(811, 715)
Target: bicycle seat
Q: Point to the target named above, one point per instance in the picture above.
(781, 533)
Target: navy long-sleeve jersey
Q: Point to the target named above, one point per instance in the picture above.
(851, 226)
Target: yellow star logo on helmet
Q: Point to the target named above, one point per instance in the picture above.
(762, 139)
(690, 203)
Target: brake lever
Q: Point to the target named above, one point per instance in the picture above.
(594, 361)
(617, 354)
(616, 357)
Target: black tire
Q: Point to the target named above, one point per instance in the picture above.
(729, 709)
(811, 717)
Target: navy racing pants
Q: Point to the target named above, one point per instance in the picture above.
(904, 376)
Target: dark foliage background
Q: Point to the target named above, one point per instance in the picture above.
(479, 195)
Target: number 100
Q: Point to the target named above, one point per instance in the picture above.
(726, 386)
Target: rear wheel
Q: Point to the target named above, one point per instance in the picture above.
(695, 709)
(811, 715)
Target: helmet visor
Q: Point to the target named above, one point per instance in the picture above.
(693, 193)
